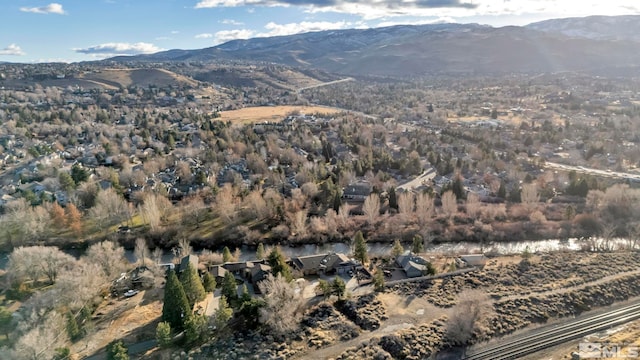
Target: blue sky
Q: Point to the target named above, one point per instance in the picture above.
(78, 30)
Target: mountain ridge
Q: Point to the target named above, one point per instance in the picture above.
(410, 50)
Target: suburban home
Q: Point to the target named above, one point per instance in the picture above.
(218, 272)
(259, 273)
(189, 259)
(332, 263)
(357, 192)
(412, 265)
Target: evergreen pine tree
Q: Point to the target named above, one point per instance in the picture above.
(223, 314)
(360, 248)
(176, 305)
(209, 282)
(260, 252)
(339, 287)
(378, 281)
(163, 334)
(229, 287)
(397, 249)
(279, 264)
(117, 351)
(226, 255)
(72, 327)
(192, 285)
(418, 244)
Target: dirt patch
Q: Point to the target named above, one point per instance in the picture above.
(271, 113)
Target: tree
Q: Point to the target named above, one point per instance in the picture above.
(260, 252)
(397, 249)
(192, 285)
(473, 308)
(57, 215)
(35, 262)
(110, 208)
(194, 328)
(176, 305)
(371, 207)
(109, 256)
(360, 248)
(222, 315)
(282, 304)
(79, 174)
(74, 219)
(449, 204)
(279, 264)
(66, 181)
(163, 334)
(117, 351)
(6, 323)
(226, 255)
(141, 251)
(418, 244)
(324, 288)
(529, 196)
(378, 281)
(339, 287)
(229, 287)
(72, 327)
(424, 208)
(406, 203)
(209, 282)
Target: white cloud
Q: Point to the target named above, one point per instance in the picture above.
(53, 8)
(384, 9)
(228, 35)
(175, 32)
(12, 50)
(204, 36)
(113, 49)
(231, 22)
(301, 27)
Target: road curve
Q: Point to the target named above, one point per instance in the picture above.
(535, 341)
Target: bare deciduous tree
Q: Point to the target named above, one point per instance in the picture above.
(424, 208)
(35, 262)
(141, 251)
(473, 205)
(282, 304)
(468, 316)
(529, 196)
(110, 208)
(109, 256)
(371, 207)
(449, 204)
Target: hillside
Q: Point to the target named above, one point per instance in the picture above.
(431, 49)
(625, 28)
(123, 78)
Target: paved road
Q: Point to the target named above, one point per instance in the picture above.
(325, 84)
(594, 172)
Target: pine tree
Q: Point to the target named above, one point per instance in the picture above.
(397, 249)
(245, 294)
(209, 282)
(176, 305)
(360, 248)
(192, 285)
(260, 252)
(339, 287)
(223, 314)
(117, 351)
(418, 244)
(279, 264)
(72, 327)
(194, 328)
(226, 255)
(163, 334)
(229, 287)
(378, 281)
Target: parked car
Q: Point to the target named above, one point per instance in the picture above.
(130, 293)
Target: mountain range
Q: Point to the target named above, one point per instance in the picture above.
(595, 44)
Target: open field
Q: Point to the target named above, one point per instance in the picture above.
(271, 113)
(139, 77)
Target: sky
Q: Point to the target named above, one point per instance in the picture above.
(81, 30)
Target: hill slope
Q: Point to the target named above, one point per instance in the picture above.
(626, 28)
(425, 49)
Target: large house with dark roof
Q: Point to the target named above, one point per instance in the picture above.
(332, 263)
(412, 265)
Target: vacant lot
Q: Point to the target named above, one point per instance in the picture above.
(272, 113)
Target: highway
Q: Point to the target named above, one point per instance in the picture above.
(594, 172)
(324, 84)
(539, 339)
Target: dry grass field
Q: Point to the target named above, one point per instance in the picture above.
(139, 77)
(257, 114)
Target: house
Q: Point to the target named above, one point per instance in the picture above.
(189, 259)
(474, 259)
(412, 265)
(357, 192)
(259, 273)
(218, 273)
(332, 263)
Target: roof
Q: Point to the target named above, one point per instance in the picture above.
(309, 261)
(236, 266)
(218, 271)
(357, 189)
(193, 259)
(406, 258)
(259, 272)
(410, 265)
(335, 260)
(474, 259)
